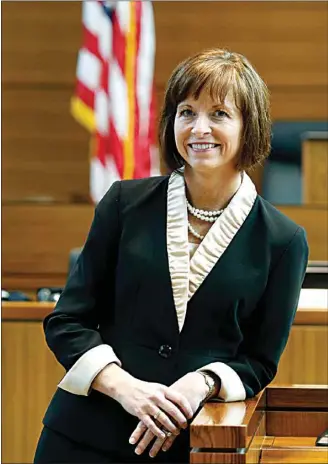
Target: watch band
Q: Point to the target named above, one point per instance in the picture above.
(210, 382)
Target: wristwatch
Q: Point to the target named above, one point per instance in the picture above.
(212, 383)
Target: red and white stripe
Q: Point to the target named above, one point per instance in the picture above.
(114, 96)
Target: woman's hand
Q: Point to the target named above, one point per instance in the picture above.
(154, 404)
(193, 388)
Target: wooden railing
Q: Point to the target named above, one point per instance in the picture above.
(280, 424)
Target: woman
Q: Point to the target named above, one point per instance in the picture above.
(186, 287)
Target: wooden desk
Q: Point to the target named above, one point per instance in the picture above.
(30, 372)
(278, 425)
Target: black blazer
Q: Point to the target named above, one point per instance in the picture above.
(120, 293)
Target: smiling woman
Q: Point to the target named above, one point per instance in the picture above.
(230, 85)
(187, 286)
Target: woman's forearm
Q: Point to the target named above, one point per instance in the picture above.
(112, 380)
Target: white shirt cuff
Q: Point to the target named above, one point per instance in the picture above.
(79, 378)
(232, 388)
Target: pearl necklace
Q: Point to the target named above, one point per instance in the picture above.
(194, 233)
(203, 215)
(208, 216)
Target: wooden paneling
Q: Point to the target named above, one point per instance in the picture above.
(299, 103)
(285, 41)
(294, 450)
(25, 310)
(49, 233)
(315, 172)
(37, 239)
(303, 397)
(30, 374)
(40, 42)
(305, 359)
(318, 316)
(315, 222)
(296, 423)
(45, 152)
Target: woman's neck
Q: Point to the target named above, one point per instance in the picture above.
(211, 191)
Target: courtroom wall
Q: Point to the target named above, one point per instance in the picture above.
(45, 164)
(45, 152)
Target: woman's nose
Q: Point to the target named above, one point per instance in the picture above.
(201, 126)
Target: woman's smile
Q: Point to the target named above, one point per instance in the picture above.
(201, 147)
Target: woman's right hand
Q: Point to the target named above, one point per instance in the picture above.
(156, 405)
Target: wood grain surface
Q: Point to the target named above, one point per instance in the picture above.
(305, 359)
(50, 231)
(30, 374)
(315, 172)
(296, 423)
(293, 450)
(226, 425)
(301, 396)
(45, 152)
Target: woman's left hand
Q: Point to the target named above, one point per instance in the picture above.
(194, 388)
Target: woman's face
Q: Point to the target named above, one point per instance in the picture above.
(207, 132)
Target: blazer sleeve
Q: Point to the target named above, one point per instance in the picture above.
(71, 330)
(266, 332)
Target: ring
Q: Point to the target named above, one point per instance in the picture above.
(166, 433)
(157, 414)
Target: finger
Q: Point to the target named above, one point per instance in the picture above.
(168, 412)
(168, 442)
(152, 426)
(146, 439)
(137, 433)
(173, 413)
(181, 401)
(158, 444)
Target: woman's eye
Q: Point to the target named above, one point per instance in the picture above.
(220, 113)
(186, 113)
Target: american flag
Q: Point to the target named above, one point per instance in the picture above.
(114, 95)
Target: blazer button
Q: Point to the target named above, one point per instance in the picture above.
(165, 351)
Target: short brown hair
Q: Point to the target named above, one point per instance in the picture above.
(219, 71)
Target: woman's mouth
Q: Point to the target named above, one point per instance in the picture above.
(203, 146)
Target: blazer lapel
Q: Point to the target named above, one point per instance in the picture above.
(221, 234)
(177, 244)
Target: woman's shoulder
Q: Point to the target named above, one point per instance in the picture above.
(131, 189)
(280, 227)
(133, 185)
(136, 191)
